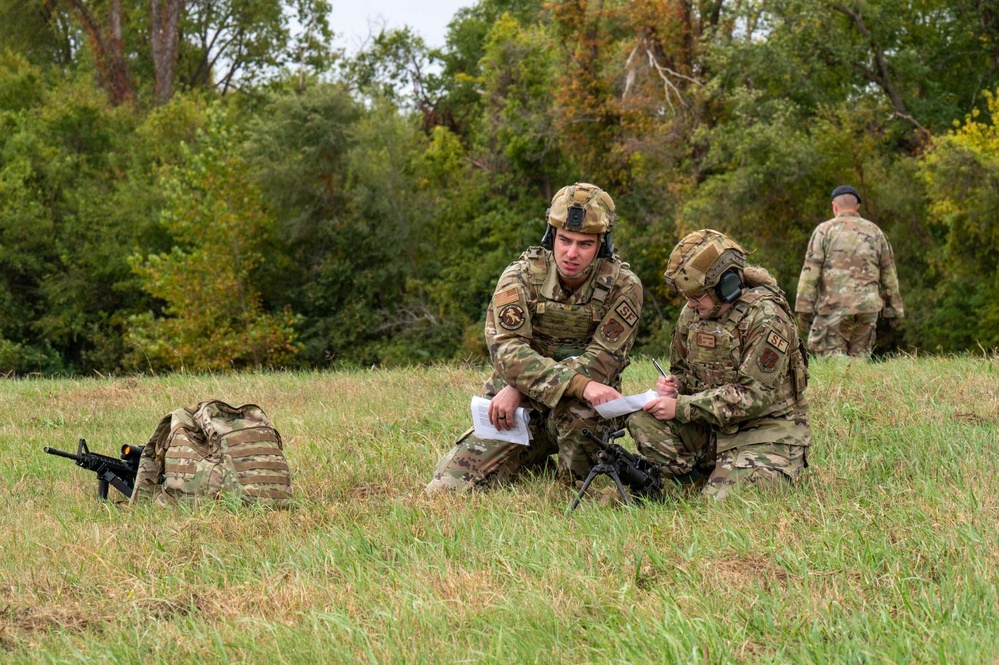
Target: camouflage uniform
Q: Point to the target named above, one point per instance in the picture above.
(540, 336)
(741, 412)
(848, 278)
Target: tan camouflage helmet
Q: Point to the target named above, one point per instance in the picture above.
(583, 208)
(700, 259)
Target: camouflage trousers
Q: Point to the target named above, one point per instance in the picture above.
(687, 452)
(477, 462)
(838, 334)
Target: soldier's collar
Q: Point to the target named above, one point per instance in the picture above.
(551, 286)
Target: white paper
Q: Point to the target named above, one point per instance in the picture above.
(484, 429)
(627, 404)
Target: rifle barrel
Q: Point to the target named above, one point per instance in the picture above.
(61, 453)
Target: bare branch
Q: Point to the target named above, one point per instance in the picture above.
(882, 74)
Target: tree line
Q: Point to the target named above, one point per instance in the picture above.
(206, 185)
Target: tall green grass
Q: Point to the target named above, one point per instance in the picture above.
(886, 552)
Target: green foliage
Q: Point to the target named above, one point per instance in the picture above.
(355, 211)
(961, 172)
(518, 128)
(244, 44)
(391, 188)
(65, 234)
(21, 84)
(213, 318)
(36, 30)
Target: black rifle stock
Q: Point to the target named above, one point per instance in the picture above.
(117, 473)
(640, 475)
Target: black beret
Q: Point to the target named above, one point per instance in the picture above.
(846, 189)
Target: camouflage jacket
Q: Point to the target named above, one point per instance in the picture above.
(743, 373)
(540, 336)
(849, 268)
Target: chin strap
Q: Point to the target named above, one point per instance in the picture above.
(717, 308)
(584, 273)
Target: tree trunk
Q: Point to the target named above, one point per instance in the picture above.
(165, 38)
(108, 48)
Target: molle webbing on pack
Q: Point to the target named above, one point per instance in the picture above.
(214, 450)
(559, 330)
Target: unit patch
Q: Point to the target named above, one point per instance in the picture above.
(706, 340)
(506, 297)
(612, 330)
(625, 311)
(511, 317)
(768, 360)
(776, 341)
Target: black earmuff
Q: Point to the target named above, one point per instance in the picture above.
(548, 239)
(606, 247)
(729, 287)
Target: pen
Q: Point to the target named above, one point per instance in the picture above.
(660, 368)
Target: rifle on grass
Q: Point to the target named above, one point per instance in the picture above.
(117, 473)
(642, 476)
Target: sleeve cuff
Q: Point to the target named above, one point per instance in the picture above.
(577, 385)
(683, 408)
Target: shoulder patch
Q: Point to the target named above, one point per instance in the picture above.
(506, 297)
(612, 330)
(511, 317)
(776, 341)
(625, 311)
(768, 360)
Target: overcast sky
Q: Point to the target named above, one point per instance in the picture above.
(353, 21)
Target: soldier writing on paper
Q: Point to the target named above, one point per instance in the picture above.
(732, 411)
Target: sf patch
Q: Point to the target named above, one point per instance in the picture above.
(768, 360)
(511, 317)
(612, 330)
(627, 312)
(776, 341)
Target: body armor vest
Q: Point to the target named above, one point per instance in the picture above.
(717, 363)
(561, 329)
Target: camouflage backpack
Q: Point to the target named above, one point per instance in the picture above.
(214, 450)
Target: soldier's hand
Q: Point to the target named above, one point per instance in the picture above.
(503, 408)
(597, 393)
(668, 386)
(663, 408)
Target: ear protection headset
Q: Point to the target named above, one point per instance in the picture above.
(729, 287)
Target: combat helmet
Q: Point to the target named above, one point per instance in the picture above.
(583, 208)
(706, 261)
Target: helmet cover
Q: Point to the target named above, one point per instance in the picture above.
(698, 261)
(583, 208)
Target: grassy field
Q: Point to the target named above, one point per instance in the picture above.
(887, 552)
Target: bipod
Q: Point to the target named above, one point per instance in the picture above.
(597, 470)
(603, 468)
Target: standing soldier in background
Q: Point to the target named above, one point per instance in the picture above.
(733, 407)
(560, 326)
(848, 278)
